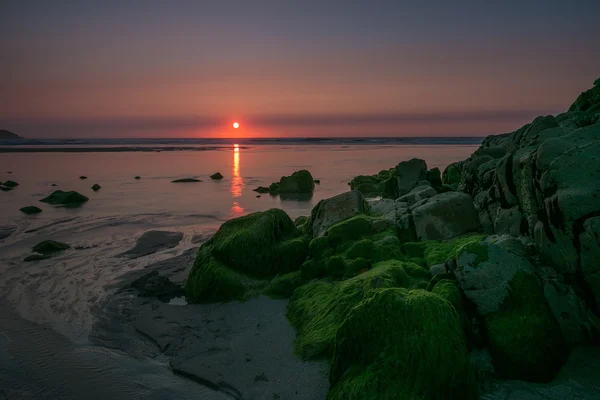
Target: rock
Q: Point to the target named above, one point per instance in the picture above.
(96, 187)
(216, 176)
(31, 210)
(434, 176)
(525, 340)
(299, 182)
(8, 135)
(261, 189)
(242, 251)
(59, 197)
(153, 284)
(317, 181)
(186, 180)
(417, 194)
(83, 177)
(7, 230)
(452, 174)
(10, 184)
(137, 177)
(49, 247)
(258, 196)
(54, 184)
(330, 211)
(152, 241)
(438, 269)
(508, 221)
(445, 216)
(36, 257)
(408, 173)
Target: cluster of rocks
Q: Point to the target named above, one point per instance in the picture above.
(417, 284)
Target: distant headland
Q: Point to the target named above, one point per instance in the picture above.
(8, 135)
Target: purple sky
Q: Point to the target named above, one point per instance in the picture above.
(364, 68)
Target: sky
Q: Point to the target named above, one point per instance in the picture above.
(290, 68)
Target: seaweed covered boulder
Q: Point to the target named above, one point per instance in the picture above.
(525, 340)
(60, 197)
(298, 183)
(242, 253)
(331, 211)
(445, 216)
(401, 344)
(319, 308)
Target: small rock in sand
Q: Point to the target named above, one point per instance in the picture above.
(31, 210)
(96, 187)
(49, 247)
(152, 241)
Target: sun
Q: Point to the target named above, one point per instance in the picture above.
(236, 125)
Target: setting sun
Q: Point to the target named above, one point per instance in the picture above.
(236, 125)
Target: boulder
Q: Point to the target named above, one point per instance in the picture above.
(299, 182)
(434, 176)
(407, 175)
(10, 184)
(216, 176)
(261, 189)
(244, 251)
(31, 210)
(96, 187)
(525, 340)
(137, 177)
(330, 211)
(445, 216)
(49, 247)
(417, 194)
(452, 174)
(60, 197)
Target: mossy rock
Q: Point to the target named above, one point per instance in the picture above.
(401, 344)
(261, 189)
(96, 187)
(438, 252)
(302, 224)
(351, 229)
(36, 257)
(526, 342)
(50, 247)
(60, 197)
(30, 210)
(186, 180)
(256, 246)
(336, 267)
(452, 174)
(299, 182)
(317, 309)
(216, 176)
(283, 286)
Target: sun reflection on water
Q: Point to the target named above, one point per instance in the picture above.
(237, 182)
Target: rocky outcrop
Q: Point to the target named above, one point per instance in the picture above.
(298, 183)
(8, 135)
(543, 181)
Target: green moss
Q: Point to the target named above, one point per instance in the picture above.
(312, 269)
(336, 267)
(318, 247)
(363, 248)
(317, 309)
(357, 266)
(243, 251)
(525, 341)
(301, 220)
(439, 252)
(49, 247)
(387, 247)
(283, 286)
(59, 197)
(401, 344)
(351, 229)
(299, 182)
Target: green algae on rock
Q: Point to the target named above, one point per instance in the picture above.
(317, 309)
(49, 247)
(216, 176)
(299, 182)
(243, 251)
(60, 197)
(30, 210)
(401, 344)
(283, 286)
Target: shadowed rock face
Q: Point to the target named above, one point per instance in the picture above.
(336, 209)
(543, 181)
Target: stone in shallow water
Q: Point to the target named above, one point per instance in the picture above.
(216, 176)
(31, 210)
(186, 180)
(49, 247)
(60, 197)
(96, 187)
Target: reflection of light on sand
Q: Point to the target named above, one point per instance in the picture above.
(237, 183)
